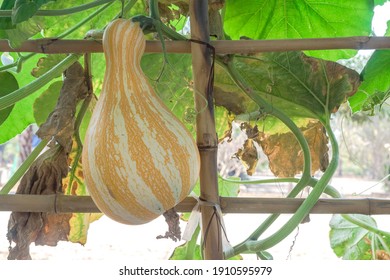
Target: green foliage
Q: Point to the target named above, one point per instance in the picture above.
(8, 84)
(25, 9)
(357, 237)
(22, 115)
(6, 22)
(297, 84)
(375, 77)
(278, 19)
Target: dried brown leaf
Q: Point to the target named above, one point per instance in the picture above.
(285, 155)
(248, 156)
(60, 123)
(44, 177)
(382, 255)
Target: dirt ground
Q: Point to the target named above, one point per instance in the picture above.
(108, 240)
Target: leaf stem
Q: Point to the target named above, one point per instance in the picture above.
(23, 167)
(355, 220)
(30, 88)
(329, 190)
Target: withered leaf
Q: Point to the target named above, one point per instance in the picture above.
(44, 177)
(248, 156)
(382, 255)
(46, 173)
(60, 123)
(168, 14)
(227, 134)
(44, 64)
(285, 155)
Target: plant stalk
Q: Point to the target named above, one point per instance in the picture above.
(30, 88)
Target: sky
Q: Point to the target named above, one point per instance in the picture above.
(382, 15)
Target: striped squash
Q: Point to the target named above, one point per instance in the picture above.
(138, 159)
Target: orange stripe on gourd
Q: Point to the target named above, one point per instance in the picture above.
(139, 159)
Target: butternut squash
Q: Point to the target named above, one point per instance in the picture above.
(138, 159)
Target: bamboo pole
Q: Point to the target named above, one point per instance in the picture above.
(202, 68)
(52, 46)
(59, 203)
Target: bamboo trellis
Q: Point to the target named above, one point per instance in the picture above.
(60, 203)
(51, 46)
(258, 205)
(63, 203)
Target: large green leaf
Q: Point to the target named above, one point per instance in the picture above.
(299, 85)
(172, 83)
(54, 26)
(350, 241)
(275, 19)
(8, 84)
(22, 115)
(24, 31)
(23, 10)
(375, 76)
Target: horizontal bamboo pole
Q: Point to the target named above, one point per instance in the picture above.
(51, 46)
(83, 204)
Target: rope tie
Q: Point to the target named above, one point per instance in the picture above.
(195, 220)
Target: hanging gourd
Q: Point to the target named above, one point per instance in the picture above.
(138, 159)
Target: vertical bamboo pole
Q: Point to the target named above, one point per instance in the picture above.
(206, 134)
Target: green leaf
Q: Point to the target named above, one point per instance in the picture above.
(25, 9)
(22, 115)
(189, 250)
(23, 31)
(299, 85)
(229, 189)
(375, 77)
(375, 100)
(350, 241)
(8, 85)
(6, 22)
(46, 102)
(276, 19)
(380, 2)
(181, 253)
(172, 83)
